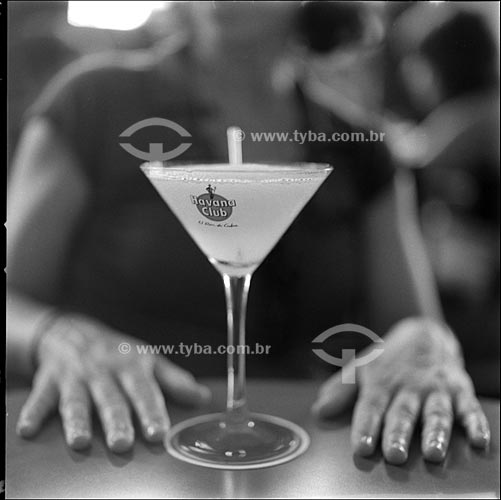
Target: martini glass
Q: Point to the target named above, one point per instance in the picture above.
(236, 213)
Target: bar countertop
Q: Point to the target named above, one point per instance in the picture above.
(45, 468)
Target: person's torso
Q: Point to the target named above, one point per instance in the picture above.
(135, 267)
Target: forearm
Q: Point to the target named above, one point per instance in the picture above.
(417, 274)
(47, 196)
(400, 281)
(25, 320)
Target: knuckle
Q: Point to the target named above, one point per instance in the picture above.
(154, 416)
(438, 402)
(143, 385)
(438, 413)
(73, 406)
(475, 418)
(114, 398)
(115, 413)
(473, 407)
(71, 385)
(440, 375)
(120, 423)
(433, 386)
(115, 408)
(145, 405)
(147, 363)
(372, 405)
(140, 385)
(101, 381)
(400, 427)
(439, 417)
(96, 369)
(437, 424)
(406, 410)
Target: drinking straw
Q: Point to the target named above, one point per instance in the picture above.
(234, 135)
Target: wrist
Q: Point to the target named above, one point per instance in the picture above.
(432, 328)
(43, 326)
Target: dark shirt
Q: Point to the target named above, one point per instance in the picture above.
(133, 265)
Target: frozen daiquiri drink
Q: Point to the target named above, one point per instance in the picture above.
(236, 213)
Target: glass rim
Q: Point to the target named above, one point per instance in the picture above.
(303, 166)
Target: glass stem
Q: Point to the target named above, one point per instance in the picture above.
(236, 290)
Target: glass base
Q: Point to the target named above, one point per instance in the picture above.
(260, 441)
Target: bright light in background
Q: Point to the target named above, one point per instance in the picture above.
(111, 15)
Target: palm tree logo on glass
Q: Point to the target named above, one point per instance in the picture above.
(269, 199)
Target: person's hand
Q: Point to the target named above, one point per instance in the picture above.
(419, 375)
(81, 362)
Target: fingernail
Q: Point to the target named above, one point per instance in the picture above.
(365, 446)
(397, 454)
(435, 451)
(79, 439)
(154, 432)
(119, 442)
(25, 428)
(481, 439)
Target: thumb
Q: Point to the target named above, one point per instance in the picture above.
(334, 395)
(180, 385)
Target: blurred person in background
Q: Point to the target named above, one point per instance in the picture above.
(32, 63)
(95, 257)
(450, 69)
